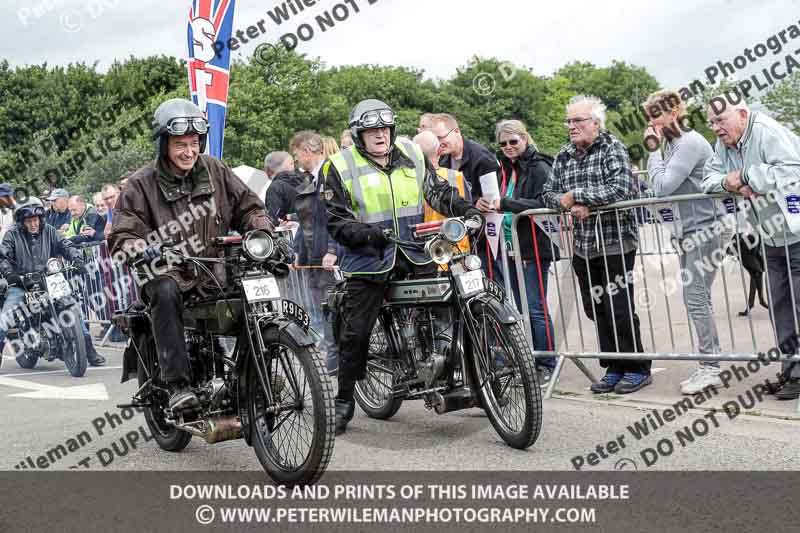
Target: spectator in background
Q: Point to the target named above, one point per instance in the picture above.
(677, 168)
(86, 225)
(758, 158)
(591, 171)
(346, 139)
(329, 146)
(426, 122)
(99, 204)
(7, 206)
(315, 248)
(473, 160)
(58, 215)
(524, 171)
(279, 200)
(110, 195)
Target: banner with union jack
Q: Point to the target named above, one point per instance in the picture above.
(210, 25)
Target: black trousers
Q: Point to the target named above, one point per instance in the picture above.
(362, 303)
(166, 303)
(611, 312)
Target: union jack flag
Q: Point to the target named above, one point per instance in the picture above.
(210, 28)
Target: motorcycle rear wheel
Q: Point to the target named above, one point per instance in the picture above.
(167, 436)
(375, 393)
(506, 378)
(75, 356)
(297, 375)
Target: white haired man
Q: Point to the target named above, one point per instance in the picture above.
(591, 171)
(758, 158)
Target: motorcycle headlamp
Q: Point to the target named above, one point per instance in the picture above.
(258, 245)
(472, 262)
(440, 251)
(53, 266)
(376, 119)
(453, 230)
(184, 125)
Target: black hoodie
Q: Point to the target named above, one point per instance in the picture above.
(282, 192)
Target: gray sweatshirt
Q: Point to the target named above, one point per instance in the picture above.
(680, 171)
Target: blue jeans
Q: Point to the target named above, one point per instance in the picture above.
(541, 323)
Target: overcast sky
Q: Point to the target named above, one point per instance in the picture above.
(674, 40)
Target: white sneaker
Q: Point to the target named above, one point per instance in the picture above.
(701, 379)
(693, 377)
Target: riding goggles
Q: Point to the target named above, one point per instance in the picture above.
(28, 212)
(183, 125)
(375, 119)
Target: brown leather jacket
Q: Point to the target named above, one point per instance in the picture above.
(157, 206)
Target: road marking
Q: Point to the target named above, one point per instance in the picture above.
(40, 391)
(35, 373)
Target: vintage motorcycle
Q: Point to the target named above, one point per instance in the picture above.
(48, 324)
(272, 390)
(450, 340)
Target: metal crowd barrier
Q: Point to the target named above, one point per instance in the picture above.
(656, 267)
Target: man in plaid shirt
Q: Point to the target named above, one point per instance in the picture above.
(591, 171)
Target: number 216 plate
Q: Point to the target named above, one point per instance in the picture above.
(261, 289)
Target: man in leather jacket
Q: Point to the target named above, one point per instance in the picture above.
(25, 249)
(376, 185)
(185, 198)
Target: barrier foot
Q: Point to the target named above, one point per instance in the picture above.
(107, 335)
(585, 370)
(554, 378)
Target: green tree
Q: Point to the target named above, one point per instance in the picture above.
(783, 100)
(614, 85)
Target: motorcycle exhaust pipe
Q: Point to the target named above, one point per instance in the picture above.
(222, 428)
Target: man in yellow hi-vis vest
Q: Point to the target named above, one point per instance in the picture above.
(378, 184)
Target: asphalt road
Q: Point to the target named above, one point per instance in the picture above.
(42, 409)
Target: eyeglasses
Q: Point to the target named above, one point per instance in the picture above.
(182, 125)
(443, 137)
(570, 121)
(373, 119)
(512, 142)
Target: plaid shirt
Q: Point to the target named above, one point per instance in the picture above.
(599, 176)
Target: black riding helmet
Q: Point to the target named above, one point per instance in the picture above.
(32, 208)
(178, 117)
(371, 114)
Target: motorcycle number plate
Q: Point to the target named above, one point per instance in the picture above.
(470, 283)
(58, 286)
(261, 289)
(295, 312)
(495, 290)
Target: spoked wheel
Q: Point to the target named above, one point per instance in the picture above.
(291, 410)
(156, 394)
(375, 393)
(506, 377)
(75, 356)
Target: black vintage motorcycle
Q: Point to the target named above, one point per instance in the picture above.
(48, 325)
(272, 390)
(450, 340)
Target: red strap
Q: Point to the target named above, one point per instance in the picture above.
(541, 285)
(489, 256)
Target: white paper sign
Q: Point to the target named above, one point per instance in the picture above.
(489, 187)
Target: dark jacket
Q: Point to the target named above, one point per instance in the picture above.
(56, 219)
(22, 253)
(358, 236)
(207, 203)
(282, 192)
(476, 161)
(533, 169)
(313, 240)
(91, 218)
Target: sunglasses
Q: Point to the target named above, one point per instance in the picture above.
(373, 119)
(181, 126)
(512, 142)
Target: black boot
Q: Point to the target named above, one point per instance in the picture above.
(344, 413)
(95, 359)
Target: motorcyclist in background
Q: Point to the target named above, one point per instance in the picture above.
(25, 249)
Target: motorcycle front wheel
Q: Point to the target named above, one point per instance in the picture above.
(506, 378)
(290, 407)
(75, 356)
